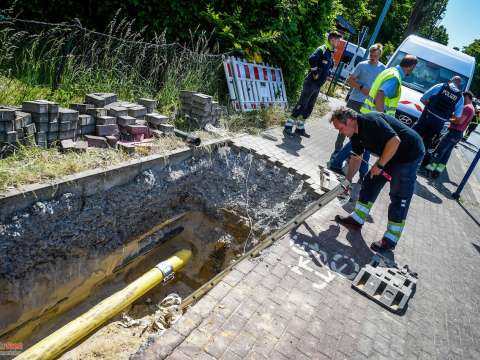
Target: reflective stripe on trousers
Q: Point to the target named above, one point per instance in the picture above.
(394, 231)
(361, 211)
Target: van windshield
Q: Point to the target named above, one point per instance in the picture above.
(426, 74)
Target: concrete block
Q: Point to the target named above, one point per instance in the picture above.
(37, 107)
(67, 115)
(96, 141)
(52, 135)
(138, 111)
(106, 120)
(117, 111)
(53, 107)
(138, 137)
(70, 134)
(137, 129)
(11, 137)
(199, 98)
(157, 133)
(126, 120)
(53, 126)
(7, 114)
(40, 118)
(141, 122)
(20, 135)
(53, 117)
(100, 99)
(41, 137)
(85, 119)
(67, 144)
(67, 126)
(128, 148)
(42, 127)
(150, 104)
(81, 108)
(88, 129)
(156, 119)
(166, 128)
(30, 129)
(96, 112)
(112, 141)
(104, 130)
(8, 126)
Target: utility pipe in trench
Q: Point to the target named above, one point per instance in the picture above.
(64, 338)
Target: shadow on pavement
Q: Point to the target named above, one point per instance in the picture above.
(476, 247)
(324, 249)
(425, 193)
(291, 144)
(470, 215)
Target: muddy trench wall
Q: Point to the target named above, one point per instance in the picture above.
(56, 243)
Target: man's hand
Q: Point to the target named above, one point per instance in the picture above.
(375, 171)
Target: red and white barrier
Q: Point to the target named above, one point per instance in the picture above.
(254, 86)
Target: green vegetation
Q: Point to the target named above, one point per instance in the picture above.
(474, 50)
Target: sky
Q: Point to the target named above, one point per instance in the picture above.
(462, 22)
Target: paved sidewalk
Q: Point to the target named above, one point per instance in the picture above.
(295, 300)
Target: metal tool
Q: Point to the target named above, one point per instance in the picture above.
(383, 173)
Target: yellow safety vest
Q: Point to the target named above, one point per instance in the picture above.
(390, 103)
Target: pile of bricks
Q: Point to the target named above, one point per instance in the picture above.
(102, 121)
(16, 126)
(199, 109)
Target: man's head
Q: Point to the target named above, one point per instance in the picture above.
(408, 64)
(333, 38)
(375, 52)
(468, 97)
(345, 121)
(457, 81)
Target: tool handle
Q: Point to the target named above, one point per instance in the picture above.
(386, 176)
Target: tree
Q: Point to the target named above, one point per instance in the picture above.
(440, 35)
(474, 50)
(425, 16)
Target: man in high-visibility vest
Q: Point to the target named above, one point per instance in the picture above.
(383, 96)
(385, 92)
(321, 61)
(400, 151)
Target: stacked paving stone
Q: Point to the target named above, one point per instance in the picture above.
(199, 108)
(46, 116)
(86, 122)
(16, 126)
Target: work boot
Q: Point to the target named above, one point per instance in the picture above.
(301, 132)
(382, 245)
(348, 221)
(287, 130)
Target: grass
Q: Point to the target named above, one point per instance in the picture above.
(120, 62)
(29, 164)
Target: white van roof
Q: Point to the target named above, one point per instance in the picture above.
(439, 54)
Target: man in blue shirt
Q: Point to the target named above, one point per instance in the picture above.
(441, 101)
(360, 80)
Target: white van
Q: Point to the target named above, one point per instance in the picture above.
(437, 63)
(352, 55)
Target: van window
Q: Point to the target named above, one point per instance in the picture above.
(426, 74)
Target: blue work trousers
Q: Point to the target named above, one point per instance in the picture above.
(444, 149)
(306, 102)
(402, 186)
(342, 155)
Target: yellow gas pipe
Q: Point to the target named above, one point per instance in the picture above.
(61, 340)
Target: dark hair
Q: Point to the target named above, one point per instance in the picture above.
(469, 94)
(334, 35)
(343, 114)
(409, 60)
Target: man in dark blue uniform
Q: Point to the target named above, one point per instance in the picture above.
(441, 101)
(400, 151)
(321, 61)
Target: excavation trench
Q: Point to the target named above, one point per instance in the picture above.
(60, 257)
